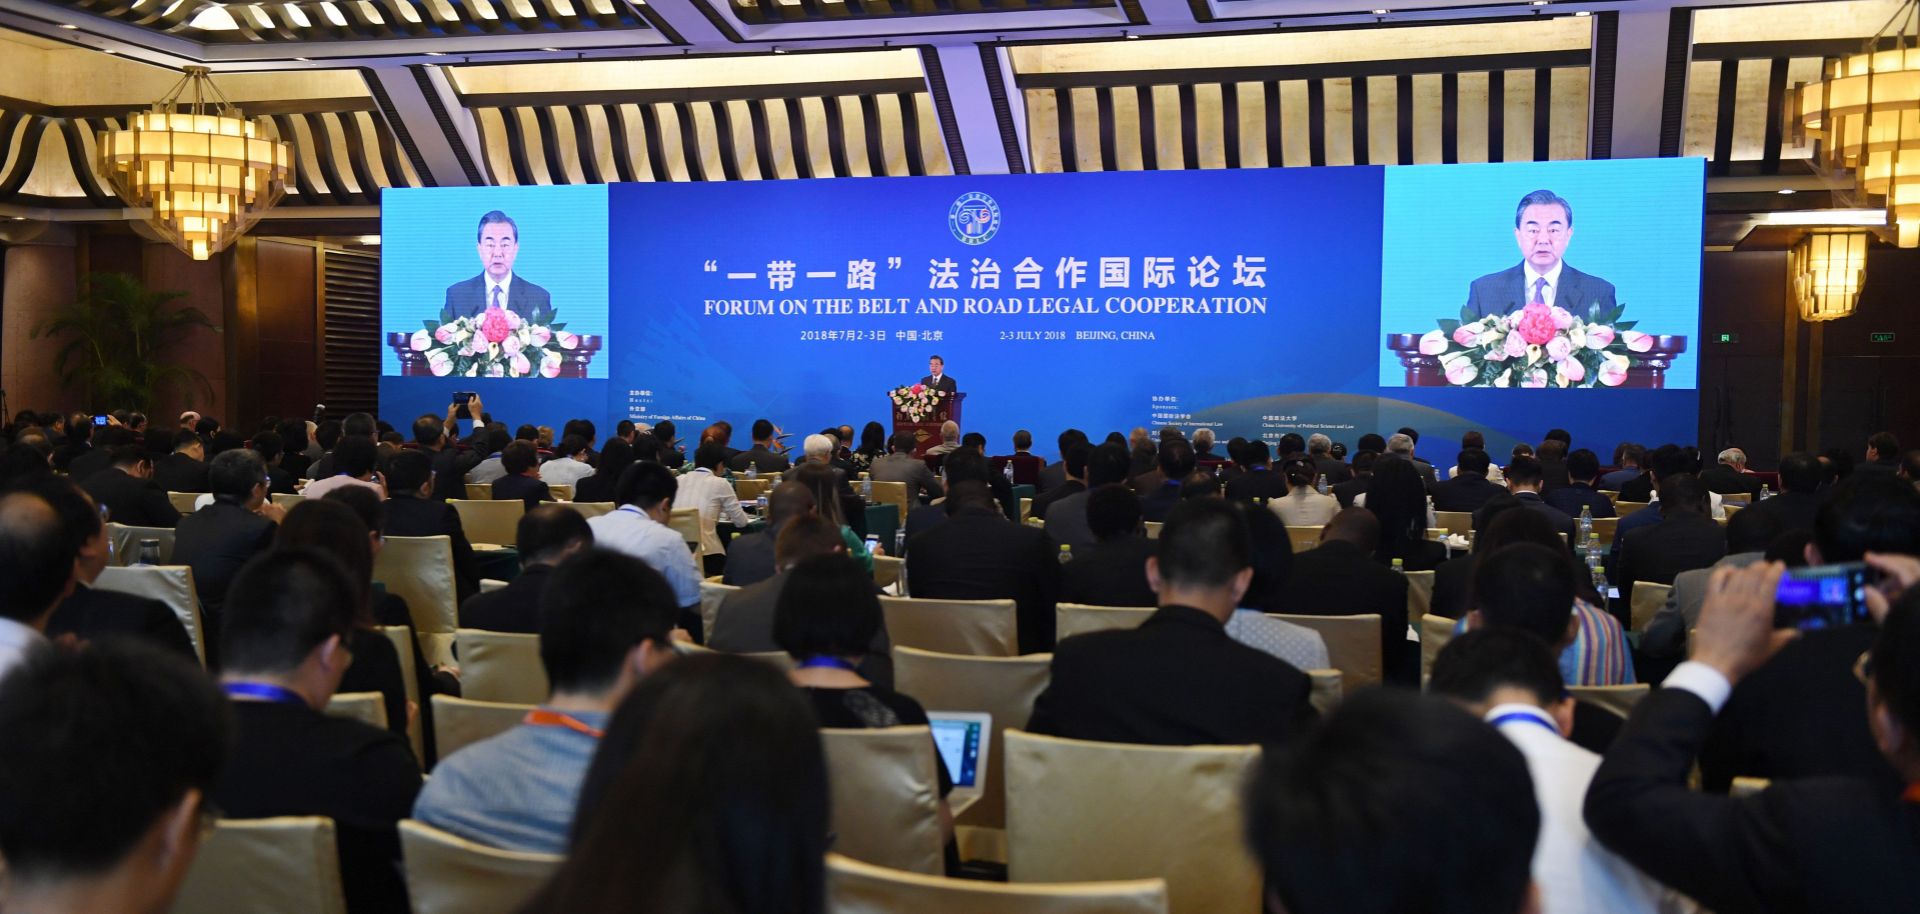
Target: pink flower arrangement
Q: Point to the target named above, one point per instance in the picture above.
(1538, 346)
(916, 402)
(497, 343)
(1535, 325)
(494, 326)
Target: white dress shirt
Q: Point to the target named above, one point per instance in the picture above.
(716, 500)
(1303, 507)
(18, 643)
(565, 471)
(629, 531)
(1575, 873)
(1551, 290)
(320, 487)
(488, 471)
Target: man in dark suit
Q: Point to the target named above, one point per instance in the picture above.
(1685, 538)
(1401, 445)
(1552, 455)
(219, 538)
(1340, 577)
(1523, 480)
(99, 455)
(1664, 460)
(1803, 714)
(1728, 475)
(93, 614)
(899, 465)
(1259, 483)
(126, 489)
(547, 536)
(1179, 679)
(497, 286)
(1055, 473)
(1883, 455)
(1799, 499)
(978, 554)
(1362, 473)
(761, 457)
(1803, 844)
(750, 558)
(1176, 464)
(1320, 451)
(521, 461)
(1469, 488)
(937, 377)
(1112, 571)
(1542, 226)
(1583, 466)
(1067, 518)
(184, 470)
(1073, 479)
(412, 511)
(449, 462)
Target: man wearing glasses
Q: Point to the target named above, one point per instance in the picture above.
(1542, 226)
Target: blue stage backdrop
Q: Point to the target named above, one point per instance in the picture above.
(1256, 302)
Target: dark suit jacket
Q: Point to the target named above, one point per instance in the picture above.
(1728, 481)
(411, 516)
(89, 463)
(1794, 510)
(130, 500)
(750, 557)
(1805, 845)
(744, 624)
(1465, 492)
(1561, 522)
(450, 468)
(216, 540)
(975, 555)
(758, 456)
(1553, 476)
(1682, 541)
(96, 615)
(1335, 471)
(1052, 475)
(1113, 573)
(946, 383)
(921, 482)
(1340, 579)
(1572, 497)
(1067, 522)
(1347, 491)
(513, 608)
(526, 488)
(1157, 503)
(1505, 292)
(179, 473)
(1257, 484)
(468, 297)
(1639, 489)
(1177, 680)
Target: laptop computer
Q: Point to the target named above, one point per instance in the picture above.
(962, 739)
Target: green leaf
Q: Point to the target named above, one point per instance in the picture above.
(431, 326)
(446, 314)
(1466, 314)
(557, 327)
(1448, 325)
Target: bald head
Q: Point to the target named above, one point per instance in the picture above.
(949, 431)
(36, 557)
(789, 500)
(1354, 525)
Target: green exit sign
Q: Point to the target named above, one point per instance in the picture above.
(1885, 336)
(1729, 337)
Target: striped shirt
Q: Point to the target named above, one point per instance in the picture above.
(1598, 655)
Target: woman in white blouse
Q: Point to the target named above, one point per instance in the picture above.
(1302, 506)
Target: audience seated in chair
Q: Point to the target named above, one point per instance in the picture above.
(1340, 578)
(1749, 534)
(1470, 486)
(1176, 463)
(639, 529)
(615, 456)
(518, 790)
(709, 793)
(744, 622)
(750, 558)
(285, 644)
(761, 457)
(1259, 482)
(521, 480)
(184, 470)
(1112, 571)
(1271, 552)
(38, 565)
(219, 538)
(92, 614)
(572, 462)
(978, 554)
(899, 465)
(547, 536)
(413, 511)
(1798, 500)
(106, 801)
(127, 490)
(705, 489)
(1685, 538)
(1071, 473)
(1179, 679)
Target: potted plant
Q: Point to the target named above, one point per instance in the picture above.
(119, 336)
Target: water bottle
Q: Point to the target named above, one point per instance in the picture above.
(1593, 550)
(873, 544)
(1066, 553)
(149, 552)
(900, 542)
(866, 490)
(1600, 581)
(1586, 522)
(753, 471)
(760, 504)
(1008, 470)
(1399, 566)
(1321, 486)
(1766, 491)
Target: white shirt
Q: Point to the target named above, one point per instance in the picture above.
(629, 531)
(716, 500)
(1552, 288)
(489, 471)
(17, 643)
(1303, 507)
(320, 487)
(565, 471)
(506, 288)
(1575, 873)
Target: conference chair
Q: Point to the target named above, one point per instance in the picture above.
(419, 569)
(1153, 529)
(1619, 699)
(286, 500)
(480, 491)
(1736, 498)
(461, 722)
(854, 887)
(170, 584)
(1647, 600)
(490, 523)
(365, 707)
(1435, 632)
(1742, 788)
(184, 502)
(886, 570)
(1303, 538)
(1732, 507)
(980, 628)
(125, 542)
(712, 594)
(886, 797)
(686, 522)
(489, 585)
(1026, 508)
(590, 509)
(892, 493)
(1456, 522)
(501, 667)
(401, 638)
(1080, 618)
(1087, 811)
(560, 491)
(282, 865)
(1626, 508)
(1327, 690)
(1004, 687)
(1353, 645)
(1419, 596)
(447, 874)
(779, 660)
(750, 489)
(1605, 528)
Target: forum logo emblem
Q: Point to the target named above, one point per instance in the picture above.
(974, 218)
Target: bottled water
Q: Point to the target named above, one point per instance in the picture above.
(1399, 565)
(1066, 553)
(1766, 491)
(753, 471)
(900, 542)
(866, 490)
(1009, 472)
(761, 504)
(149, 552)
(1586, 522)
(1322, 486)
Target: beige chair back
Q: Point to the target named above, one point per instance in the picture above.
(1626, 508)
(560, 491)
(1153, 529)
(494, 522)
(285, 865)
(501, 667)
(712, 594)
(892, 493)
(447, 874)
(1353, 645)
(1085, 811)
(1647, 600)
(1419, 596)
(1435, 632)
(779, 660)
(402, 639)
(1328, 689)
(461, 722)
(287, 500)
(886, 797)
(1619, 699)
(480, 491)
(1457, 522)
(980, 628)
(886, 570)
(1741, 788)
(1303, 538)
(1739, 498)
(1071, 619)
(1731, 507)
(1004, 687)
(183, 502)
(489, 585)
(365, 707)
(686, 522)
(1604, 528)
(419, 569)
(170, 584)
(1026, 508)
(750, 489)
(862, 888)
(592, 509)
(126, 542)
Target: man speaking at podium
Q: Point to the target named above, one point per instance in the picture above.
(497, 286)
(937, 378)
(1542, 225)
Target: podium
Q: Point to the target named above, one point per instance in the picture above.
(926, 433)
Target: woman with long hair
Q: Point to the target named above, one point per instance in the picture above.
(615, 456)
(708, 794)
(873, 444)
(824, 483)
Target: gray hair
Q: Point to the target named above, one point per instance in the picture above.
(949, 431)
(1321, 444)
(1202, 437)
(1399, 444)
(817, 446)
(236, 472)
(1734, 456)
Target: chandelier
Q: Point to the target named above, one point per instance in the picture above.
(1827, 270)
(1866, 114)
(206, 171)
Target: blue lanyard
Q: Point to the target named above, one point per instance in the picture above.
(264, 692)
(821, 660)
(1524, 718)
